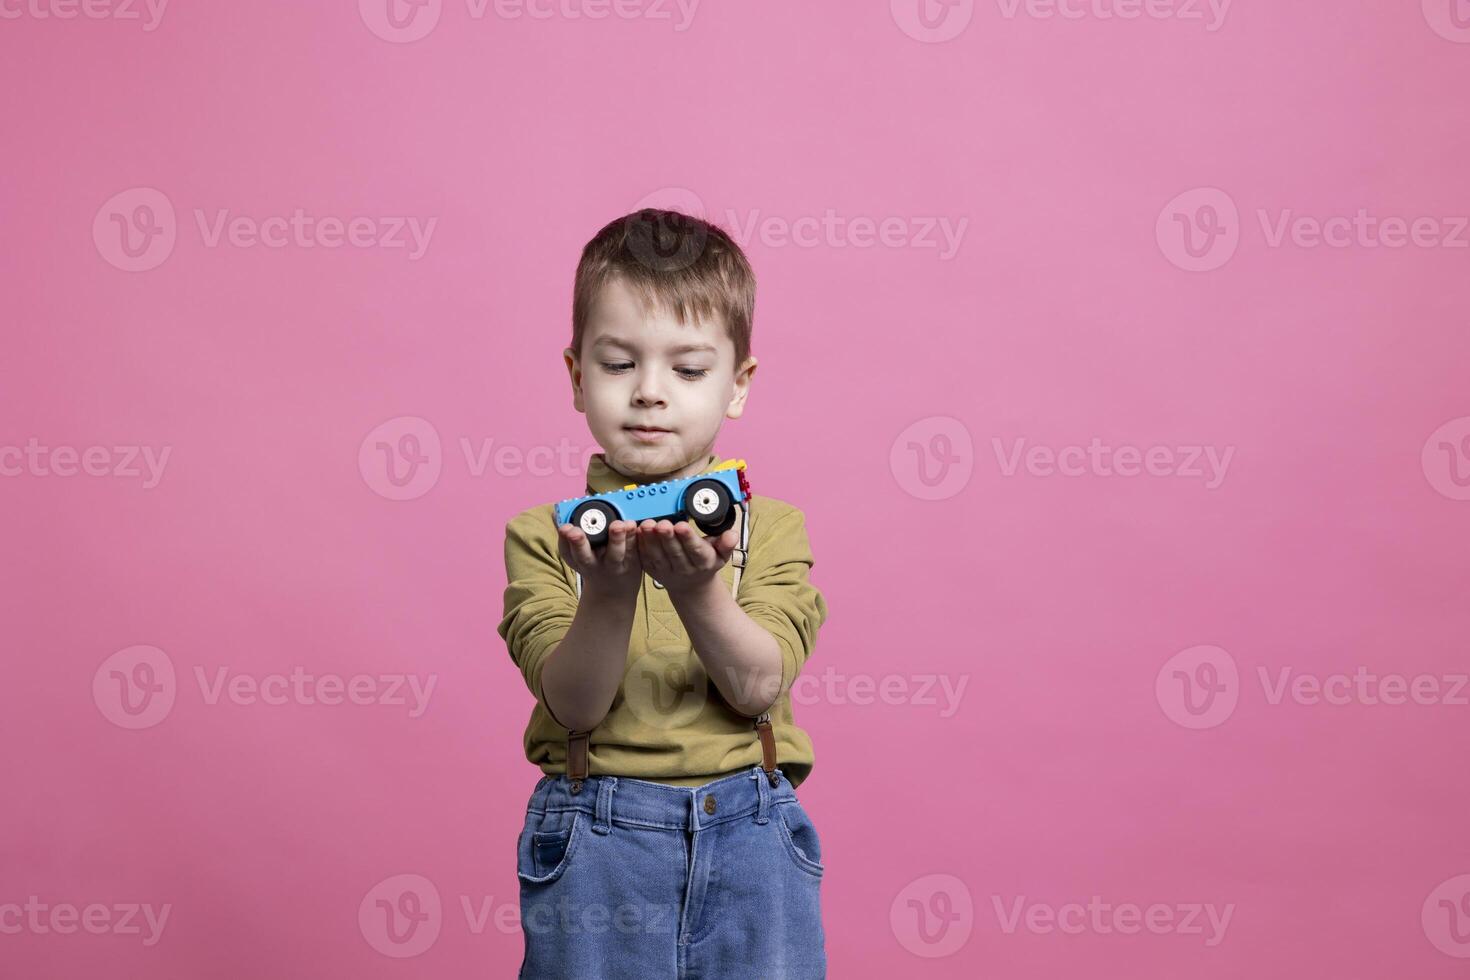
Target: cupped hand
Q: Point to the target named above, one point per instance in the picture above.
(679, 557)
(615, 569)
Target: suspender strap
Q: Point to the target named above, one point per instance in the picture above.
(768, 747)
(577, 759)
(577, 741)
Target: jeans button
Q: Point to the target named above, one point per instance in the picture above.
(709, 805)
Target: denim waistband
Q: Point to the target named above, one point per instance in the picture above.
(641, 803)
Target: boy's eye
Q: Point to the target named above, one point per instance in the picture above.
(689, 374)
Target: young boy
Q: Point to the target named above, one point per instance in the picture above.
(664, 840)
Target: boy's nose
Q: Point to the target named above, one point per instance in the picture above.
(648, 393)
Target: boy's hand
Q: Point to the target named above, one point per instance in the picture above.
(679, 557)
(618, 571)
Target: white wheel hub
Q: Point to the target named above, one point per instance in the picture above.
(704, 502)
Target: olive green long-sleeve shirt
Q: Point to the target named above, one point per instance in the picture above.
(668, 722)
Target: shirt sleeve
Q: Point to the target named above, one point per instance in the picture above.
(540, 602)
(776, 592)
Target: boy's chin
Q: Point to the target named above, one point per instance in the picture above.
(637, 460)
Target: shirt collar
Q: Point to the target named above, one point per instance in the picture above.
(602, 478)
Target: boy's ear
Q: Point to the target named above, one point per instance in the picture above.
(574, 369)
(742, 388)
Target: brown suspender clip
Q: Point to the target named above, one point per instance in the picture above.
(577, 742)
(768, 747)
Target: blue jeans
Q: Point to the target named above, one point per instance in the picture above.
(634, 879)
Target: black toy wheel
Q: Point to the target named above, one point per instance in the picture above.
(592, 518)
(710, 506)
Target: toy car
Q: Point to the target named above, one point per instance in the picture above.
(708, 499)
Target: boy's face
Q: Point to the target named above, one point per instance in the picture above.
(642, 367)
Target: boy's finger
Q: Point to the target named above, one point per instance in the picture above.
(674, 543)
(692, 544)
(650, 550)
(617, 545)
(583, 550)
(724, 545)
(564, 544)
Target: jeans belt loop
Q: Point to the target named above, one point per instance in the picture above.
(763, 792)
(602, 823)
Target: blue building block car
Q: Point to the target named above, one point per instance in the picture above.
(708, 499)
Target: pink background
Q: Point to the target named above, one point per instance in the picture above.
(1069, 768)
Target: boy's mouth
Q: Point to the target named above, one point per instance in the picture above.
(647, 433)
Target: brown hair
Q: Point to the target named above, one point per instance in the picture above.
(672, 261)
